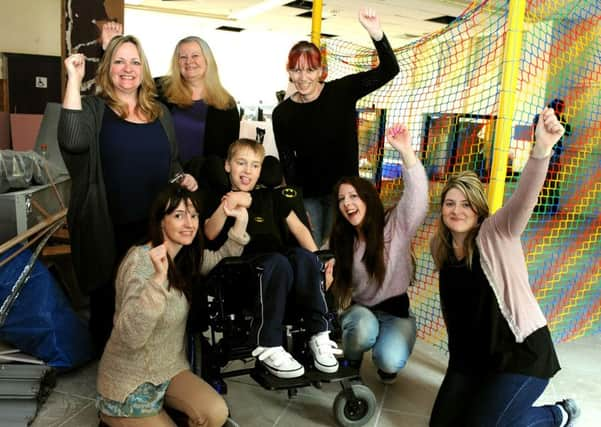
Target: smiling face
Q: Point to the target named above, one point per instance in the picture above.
(126, 69)
(306, 79)
(180, 226)
(352, 208)
(244, 168)
(191, 61)
(457, 213)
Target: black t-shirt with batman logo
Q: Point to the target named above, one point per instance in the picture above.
(267, 215)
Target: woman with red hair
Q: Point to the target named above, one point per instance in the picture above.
(315, 128)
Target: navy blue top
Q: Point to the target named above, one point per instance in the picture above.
(135, 161)
(190, 124)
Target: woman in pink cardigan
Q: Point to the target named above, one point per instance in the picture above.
(374, 265)
(501, 355)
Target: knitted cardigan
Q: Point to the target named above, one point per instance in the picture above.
(147, 343)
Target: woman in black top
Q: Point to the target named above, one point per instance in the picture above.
(501, 355)
(315, 128)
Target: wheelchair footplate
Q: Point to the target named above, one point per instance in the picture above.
(312, 376)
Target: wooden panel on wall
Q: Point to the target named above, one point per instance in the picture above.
(81, 25)
(4, 95)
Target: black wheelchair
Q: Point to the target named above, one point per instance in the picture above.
(221, 335)
(229, 322)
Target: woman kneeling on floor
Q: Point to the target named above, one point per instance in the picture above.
(144, 363)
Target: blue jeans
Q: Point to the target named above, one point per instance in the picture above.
(390, 338)
(321, 216)
(492, 400)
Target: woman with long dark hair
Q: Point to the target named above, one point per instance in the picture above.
(144, 363)
(373, 263)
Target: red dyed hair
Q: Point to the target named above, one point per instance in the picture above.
(307, 50)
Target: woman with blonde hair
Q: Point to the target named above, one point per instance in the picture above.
(501, 354)
(120, 149)
(205, 115)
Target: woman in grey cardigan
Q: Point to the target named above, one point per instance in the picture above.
(501, 355)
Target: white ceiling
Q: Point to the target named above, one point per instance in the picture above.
(402, 20)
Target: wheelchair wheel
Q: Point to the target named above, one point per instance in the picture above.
(355, 412)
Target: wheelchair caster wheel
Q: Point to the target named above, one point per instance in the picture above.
(357, 411)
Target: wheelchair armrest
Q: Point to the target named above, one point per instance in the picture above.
(324, 255)
(231, 266)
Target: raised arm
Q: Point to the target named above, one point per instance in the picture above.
(388, 67)
(513, 217)
(413, 206)
(75, 65)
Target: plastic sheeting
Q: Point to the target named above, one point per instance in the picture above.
(22, 169)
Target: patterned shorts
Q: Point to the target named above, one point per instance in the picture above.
(145, 401)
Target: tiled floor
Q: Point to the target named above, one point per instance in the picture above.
(405, 403)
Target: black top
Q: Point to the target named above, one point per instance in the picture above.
(309, 136)
(267, 215)
(480, 340)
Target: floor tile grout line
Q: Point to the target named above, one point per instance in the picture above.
(381, 406)
(74, 415)
(279, 417)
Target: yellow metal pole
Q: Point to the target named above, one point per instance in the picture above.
(316, 23)
(503, 129)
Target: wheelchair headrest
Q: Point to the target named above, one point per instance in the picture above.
(271, 172)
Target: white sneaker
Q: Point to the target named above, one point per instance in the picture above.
(279, 362)
(324, 351)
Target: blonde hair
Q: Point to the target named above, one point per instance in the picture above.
(147, 104)
(442, 242)
(178, 92)
(245, 143)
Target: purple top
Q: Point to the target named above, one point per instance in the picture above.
(190, 124)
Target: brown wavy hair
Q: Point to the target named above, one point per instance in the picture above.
(441, 244)
(178, 92)
(147, 103)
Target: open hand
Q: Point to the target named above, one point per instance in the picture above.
(110, 30)
(399, 137)
(370, 21)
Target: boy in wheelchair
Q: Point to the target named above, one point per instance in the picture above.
(286, 270)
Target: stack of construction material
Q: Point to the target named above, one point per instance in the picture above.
(25, 383)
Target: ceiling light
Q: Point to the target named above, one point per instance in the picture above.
(256, 9)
